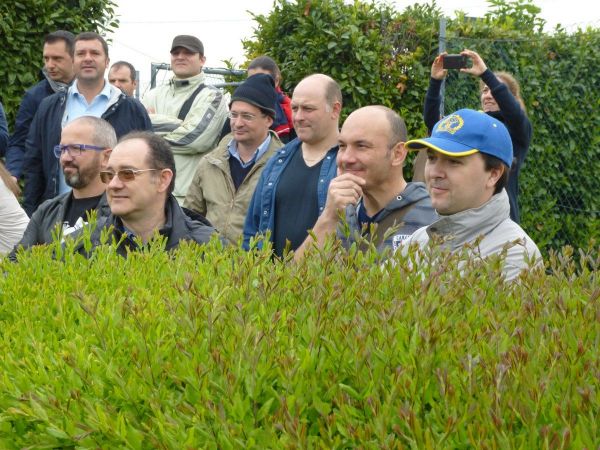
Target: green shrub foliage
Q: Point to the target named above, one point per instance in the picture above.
(217, 348)
(23, 25)
(383, 56)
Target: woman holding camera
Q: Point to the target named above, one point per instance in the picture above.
(500, 98)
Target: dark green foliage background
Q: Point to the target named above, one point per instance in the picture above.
(383, 56)
(23, 25)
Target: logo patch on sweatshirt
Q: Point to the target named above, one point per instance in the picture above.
(397, 240)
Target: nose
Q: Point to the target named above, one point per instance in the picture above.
(434, 169)
(348, 156)
(65, 156)
(115, 183)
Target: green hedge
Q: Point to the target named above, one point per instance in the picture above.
(23, 25)
(383, 56)
(217, 348)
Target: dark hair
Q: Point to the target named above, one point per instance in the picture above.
(61, 35)
(333, 93)
(120, 64)
(160, 155)
(491, 162)
(398, 131)
(91, 36)
(266, 63)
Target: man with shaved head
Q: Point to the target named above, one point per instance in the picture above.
(370, 188)
(292, 189)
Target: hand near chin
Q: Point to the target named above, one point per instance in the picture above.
(345, 189)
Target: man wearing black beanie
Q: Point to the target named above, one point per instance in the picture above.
(225, 178)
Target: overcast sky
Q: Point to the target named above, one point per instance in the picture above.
(147, 27)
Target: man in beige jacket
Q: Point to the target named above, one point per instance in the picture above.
(225, 178)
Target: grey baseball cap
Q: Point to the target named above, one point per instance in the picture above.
(192, 43)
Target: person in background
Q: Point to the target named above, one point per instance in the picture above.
(187, 112)
(13, 219)
(226, 178)
(500, 96)
(292, 189)
(122, 74)
(58, 74)
(282, 124)
(3, 132)
(89, 95)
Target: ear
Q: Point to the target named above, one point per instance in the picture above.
(270, 120)
(164, 180)
(336, 109)
(494, 176)
(105, 155)
(398, 153)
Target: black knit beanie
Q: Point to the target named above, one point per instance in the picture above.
(258, 90)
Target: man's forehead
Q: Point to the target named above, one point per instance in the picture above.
(88, 43)
(239, 105)
(56, 46)
(129, 153)
(121, 72)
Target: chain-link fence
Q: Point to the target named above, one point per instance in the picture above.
(559, 182)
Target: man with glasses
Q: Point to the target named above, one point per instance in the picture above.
(139, 179)
(89, 95)
(226, 177)
(370, 190)
(85, 145)
(186, 111)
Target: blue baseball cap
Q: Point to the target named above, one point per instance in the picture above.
(465, 132)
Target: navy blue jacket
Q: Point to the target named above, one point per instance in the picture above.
(29, 106)
(3, 131)
(511, 114)
(41, 166)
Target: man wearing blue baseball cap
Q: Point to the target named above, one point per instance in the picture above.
(469, 155)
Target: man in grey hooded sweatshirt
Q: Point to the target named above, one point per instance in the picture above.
(370, 189)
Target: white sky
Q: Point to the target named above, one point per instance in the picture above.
(147, 27)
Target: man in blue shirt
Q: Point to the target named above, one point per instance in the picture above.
(89, 95)
(292, 189)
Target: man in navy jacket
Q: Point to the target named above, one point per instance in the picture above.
(90, 94)
(58, 75)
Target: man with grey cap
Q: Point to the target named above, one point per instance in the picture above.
(469, 155)
(225, 179)
(186, 112)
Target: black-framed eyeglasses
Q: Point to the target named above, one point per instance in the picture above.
(74, 149)
(246, 117)
(124, 174)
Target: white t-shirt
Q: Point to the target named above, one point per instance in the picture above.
(13, 220)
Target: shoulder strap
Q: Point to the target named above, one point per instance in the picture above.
(185, 108)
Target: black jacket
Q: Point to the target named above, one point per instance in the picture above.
(178, 227)
(44, 220)
(41, 166)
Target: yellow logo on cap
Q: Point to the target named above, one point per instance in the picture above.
(451, 124)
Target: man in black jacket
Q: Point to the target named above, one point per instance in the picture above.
(89, 95)
(140, 177)
(84, 148)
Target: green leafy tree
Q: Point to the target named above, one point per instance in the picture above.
(23, 25)
(383, 56)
